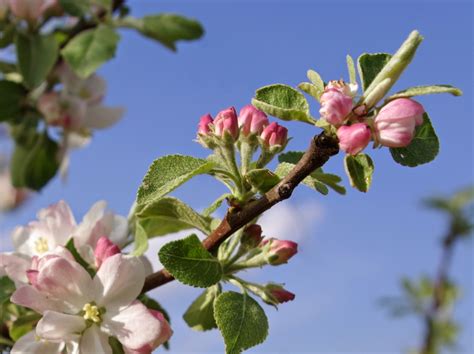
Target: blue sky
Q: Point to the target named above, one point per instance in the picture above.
(356, 247)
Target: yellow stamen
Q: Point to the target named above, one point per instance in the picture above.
(91, 312)
(41, 245)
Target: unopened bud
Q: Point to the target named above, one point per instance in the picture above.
(277, 294)
(251, 237)
(395, 123)
(204, 125)
(279, 251)
(103, 250)
(354, 138)
(226, 124)
(335, 106)
(274, 135)
(252, 120)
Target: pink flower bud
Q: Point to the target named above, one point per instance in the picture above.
(395, 124)
(279, 294)
(354, 138)
(203, 126)
(226, 122)
(335, 106)
(104, 249)
(252, 120)
(274, 134)
(341, 86)
(279, 251)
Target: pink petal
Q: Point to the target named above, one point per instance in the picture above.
(134, 326)
(30, 297)
(119, 281)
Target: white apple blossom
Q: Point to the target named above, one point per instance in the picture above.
(85, 311)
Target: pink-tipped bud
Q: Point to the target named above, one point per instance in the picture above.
(395, 124)
(354, 138)
(335, 106)
(252, 120)
(341, 86)
(103, 250)
(279, 293)
(274, 134)
(279, 251)
(226, 123)
(252, 236)
(204, 124)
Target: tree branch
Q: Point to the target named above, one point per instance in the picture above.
(321, 148)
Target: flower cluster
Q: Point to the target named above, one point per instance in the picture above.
(82, 304)
(250, 124)
(392, 126)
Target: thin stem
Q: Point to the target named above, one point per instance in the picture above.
(321, 148)
(246, 154)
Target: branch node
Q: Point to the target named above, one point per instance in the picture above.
(285, 191)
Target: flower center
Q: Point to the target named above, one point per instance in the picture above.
(41, 245)
(91, 313)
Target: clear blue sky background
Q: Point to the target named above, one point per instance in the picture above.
(361, 246)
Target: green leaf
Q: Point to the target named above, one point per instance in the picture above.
(12, 95)
(216, 204)
(168, 173)
(72, 248)
(116, 346)
(7, 34)
(423, 148)
(262, 179)
(315, 78)
(426, 90)
(284, 102)
(351, 69)
(359, 169)
(168, 215)
(140, 240)
(37, 55)
(170, 28)
(7, 67)
(200, 315)
(330, 180)
(23, 325)
(86, 52)
(34, 161)
(76, 8)
(370, 65)
(310, 89)
(7, 287)
(284, 168)
(291, 157)
(241, 320)
(190, 263)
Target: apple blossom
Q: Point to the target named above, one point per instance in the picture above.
(395, 123)
(31, 343)
(252, 120)
(353, 138)
(78, 308)
(278, 251)
(274, 135)
(226, 123)
(335, 106)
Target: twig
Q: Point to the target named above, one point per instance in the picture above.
(429, 345)
(322, 147)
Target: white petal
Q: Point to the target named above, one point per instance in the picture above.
(134, 326)
(15, 267)
(66, 281)
(83, 234)
(30, 297)
(93, 89)
(94, 341)
(56, 326)
(100, 117)
(30, 344)
(119, 281)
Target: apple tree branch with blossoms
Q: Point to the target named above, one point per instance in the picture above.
(73, 287)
